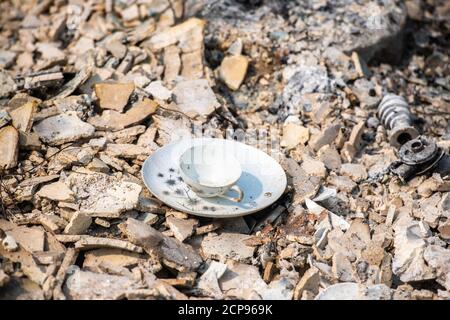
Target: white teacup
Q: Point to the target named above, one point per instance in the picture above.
(210, 172)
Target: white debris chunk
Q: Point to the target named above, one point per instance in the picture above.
(408, 262)
(209, 281)
(78, 224)
(63, 128)
(355, 291)
(195, 96)
(227, 246)
(102, 195)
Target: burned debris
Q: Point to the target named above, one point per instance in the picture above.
(350, 98)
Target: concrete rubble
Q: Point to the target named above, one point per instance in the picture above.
(88, 90)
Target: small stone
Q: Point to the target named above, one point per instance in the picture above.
(313, 167)
(5, 118)
(242, 281)
(306, 186)
(327, 136)
(98, 166)
(341, 183)
(232, 71)
(176, 33)
(195, 96)
(209, 281)
(360, 65)
(22, 117)
(408, 262)
(227, 246)
(102, 195)
(114, 121)
(57, 191)
(342, 268)
(293, 135)
(439, 258)
(10, 244)
(78, 224)
(7, 84)
(149, 218)
(7, 58)
(356, 172)
(113, 96)
(355, 291)
(309, 282)
(63, 128)
(86, 285)
(88, 242)
(444, 230)
(4, 278)
(102, 222)
(9, 147)
(113, 257)
(117, 49)
(330, 157)
(354, 143)
(130, 13)
(172, 252)
(126, 150)
(181, 228)
(158, 91)
(236, 47)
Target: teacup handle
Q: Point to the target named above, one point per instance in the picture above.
(234, 199)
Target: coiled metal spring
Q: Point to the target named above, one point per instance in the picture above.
(394, 114)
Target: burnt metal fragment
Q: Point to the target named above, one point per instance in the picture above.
(394, 113)
(419, 156)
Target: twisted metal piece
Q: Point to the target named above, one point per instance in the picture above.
(394, 114)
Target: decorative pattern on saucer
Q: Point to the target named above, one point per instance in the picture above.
(263, 180)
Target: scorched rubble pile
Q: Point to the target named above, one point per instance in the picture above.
(89, 89)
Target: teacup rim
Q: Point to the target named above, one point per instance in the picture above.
(229, 184)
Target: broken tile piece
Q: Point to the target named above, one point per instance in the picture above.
(63, 128)
(356, 172)
(57, 191)
(242, 281)
(227, 246)
(126, 150)
(172, 252)
(158, 91)
(9, 147)
(108, 256)
(88, 242)
(313, 167)
(209, 281)
(86, 285)
(195, 96)
(293, 135)
(355, 291)
(102, 195)
(78, 224)
(22, 117)
(113, 96)
(113, 120)
(232, 71)
(181, 228)
(309, 282)
(409, 243)
(439, 259)
(5, 118)
(7, 58)
(174, 34)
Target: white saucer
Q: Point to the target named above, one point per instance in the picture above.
(263, 180)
